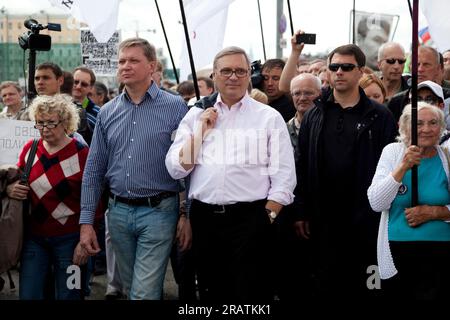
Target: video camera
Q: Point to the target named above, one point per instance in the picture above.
(33, 40)
(256, 74)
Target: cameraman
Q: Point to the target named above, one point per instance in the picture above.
(279, 100)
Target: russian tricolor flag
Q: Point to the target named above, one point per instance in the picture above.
(424, 35)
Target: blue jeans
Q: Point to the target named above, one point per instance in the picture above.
(142, 238)
(41, 254)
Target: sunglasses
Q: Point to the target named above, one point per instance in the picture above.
(392, 61)
(81, 83)
(344, 67)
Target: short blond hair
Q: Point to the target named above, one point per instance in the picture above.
(404, 122)
(60, 104)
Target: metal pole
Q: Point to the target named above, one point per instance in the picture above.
(279, 13)
(262, 32)
(354, 21)
(167, 43)
(188, 44)
(415, 43)
(410, 9)
(290, 17)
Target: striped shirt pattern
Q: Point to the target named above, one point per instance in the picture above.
(92, 111)
(128, 148)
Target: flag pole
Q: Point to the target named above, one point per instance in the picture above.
(262, 32)
(290, 17)
(188, 45)
(415, 43)
(354, 20)
(167, 43)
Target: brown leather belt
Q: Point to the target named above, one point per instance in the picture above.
(152, 201)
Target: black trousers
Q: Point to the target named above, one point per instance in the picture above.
(423, 270)
(232, 250)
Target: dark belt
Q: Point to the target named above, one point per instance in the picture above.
(152, 201)
(223, 208)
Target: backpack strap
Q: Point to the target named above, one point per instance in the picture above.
(26, 173)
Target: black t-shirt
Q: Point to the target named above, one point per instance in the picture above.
(339, 149)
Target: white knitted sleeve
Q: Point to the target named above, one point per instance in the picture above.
(384, 188)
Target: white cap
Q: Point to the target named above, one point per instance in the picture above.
(434, 87)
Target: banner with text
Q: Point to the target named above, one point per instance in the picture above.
(102, 58)
(14, 134)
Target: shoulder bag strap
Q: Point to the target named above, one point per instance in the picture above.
(29, 164)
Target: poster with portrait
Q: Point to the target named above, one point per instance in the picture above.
(371, 31)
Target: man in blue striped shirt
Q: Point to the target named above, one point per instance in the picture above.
(131, 138)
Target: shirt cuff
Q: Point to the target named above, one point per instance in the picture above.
(282, 197)
(87, 217)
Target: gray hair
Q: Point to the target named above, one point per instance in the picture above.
(230, 51)
(386, 45)
(405, 121)
(304, 76)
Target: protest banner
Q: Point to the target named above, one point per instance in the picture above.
(102, 58)
(14, 134)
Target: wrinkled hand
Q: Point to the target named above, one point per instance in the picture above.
(88, 239)
(418, 215)
(17, 191)
(295, 46)
(208, 119)
(80, 255)
(184, 233)
(302, 229)
(411, 157)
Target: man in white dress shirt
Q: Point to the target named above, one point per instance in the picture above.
(242, 168)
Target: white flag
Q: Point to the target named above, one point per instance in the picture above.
(206, 21)
(100, 15)
(436, 12)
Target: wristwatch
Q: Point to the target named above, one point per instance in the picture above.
(272, 214)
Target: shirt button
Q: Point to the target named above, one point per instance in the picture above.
(134, 122)
(132, 140)
(129, 157)
(128, 191)
(128, 174)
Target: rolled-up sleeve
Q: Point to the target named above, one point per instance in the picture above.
(281, 163)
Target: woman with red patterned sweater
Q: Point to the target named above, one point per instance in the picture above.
(54, 189)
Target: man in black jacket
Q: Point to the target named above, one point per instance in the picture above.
(340, 142)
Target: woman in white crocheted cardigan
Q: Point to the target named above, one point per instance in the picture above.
(414, 243)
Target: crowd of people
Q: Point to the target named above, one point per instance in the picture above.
(293, 188)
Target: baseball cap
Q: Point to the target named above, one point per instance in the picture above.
(434, 87)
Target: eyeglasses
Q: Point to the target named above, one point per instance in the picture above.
(50, 125)
(392, 61)
(81, 83)
(307, 94)
(240, 73)
(344, 67)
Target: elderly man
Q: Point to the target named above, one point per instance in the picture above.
(241, 165)
(131, 139)
(305, 88)
(391, 60)
(430, 67)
